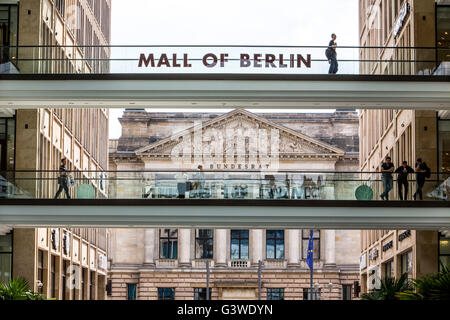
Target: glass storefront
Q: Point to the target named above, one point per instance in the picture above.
(8, 33)
(444, 250)
(7, 145)
(443, 32)
(444, 157)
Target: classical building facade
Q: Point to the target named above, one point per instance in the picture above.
(403, 134)
(37, 139)
(170, 263)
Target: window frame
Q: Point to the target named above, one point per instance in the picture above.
(273, 293)
(172, 242)
(316, 240)
(134, 296)
(347, 291)
(406, 254)
(275, 239)
(197, 293)
(161, 293)
(204, 240)
(240, 239)
(389, 265)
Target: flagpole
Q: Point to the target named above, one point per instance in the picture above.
(311, 283)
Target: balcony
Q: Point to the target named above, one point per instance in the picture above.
(221, 199)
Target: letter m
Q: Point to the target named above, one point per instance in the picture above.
(150, 59)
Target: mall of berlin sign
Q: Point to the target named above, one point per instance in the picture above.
(211, 60)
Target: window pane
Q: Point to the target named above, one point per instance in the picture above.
(444, 246)
(174, 233)
(275, 294)
(280, 250)
(244, 249)
(235, 249)
(270, 233)
(5, 266)
(131, 294)
(164, 249)
(204, 233)
(270, 249)
(6, 243)
(200, 293)
(279, 234)
(164, 232)
(316, 249)
(166, 293)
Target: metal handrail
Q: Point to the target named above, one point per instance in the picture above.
(217, 46)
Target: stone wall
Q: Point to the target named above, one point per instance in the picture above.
(241, 283)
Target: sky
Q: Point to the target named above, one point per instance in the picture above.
(234, 22)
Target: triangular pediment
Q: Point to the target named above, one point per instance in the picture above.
(243, 133)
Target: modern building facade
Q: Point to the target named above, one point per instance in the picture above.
(169, 263)
(37, 140)
(404, 135)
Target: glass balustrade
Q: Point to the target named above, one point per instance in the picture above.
(251, 59)
(286, 185)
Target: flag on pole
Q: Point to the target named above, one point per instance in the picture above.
(310, 256)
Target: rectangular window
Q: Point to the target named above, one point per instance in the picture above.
(239, 244)
(40, 271)
(168, 243)
(406, 263)
(131, 291)
(315, 295)
(275, 294)
(65, 266)
(275, 244)
(74, 291)
(444, 249)
(389, 269)
(200, 293)
(82, 284)
(92, 286)
(316, 243)
(53, 276)
(347, 292)
(442, 32)
(204, 243)
(166, 293)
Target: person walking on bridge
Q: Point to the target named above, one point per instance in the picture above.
(332, 56)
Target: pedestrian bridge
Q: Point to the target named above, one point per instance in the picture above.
(224, 91)
(334, 200)
(324, 214)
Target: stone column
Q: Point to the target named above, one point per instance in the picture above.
(257, 246)
(149, 247)
(184, 243)
(293, 247)
(330, 247)
(221, 249)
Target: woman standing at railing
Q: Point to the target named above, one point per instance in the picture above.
(62, 179)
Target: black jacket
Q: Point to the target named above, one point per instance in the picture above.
(403, 176)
